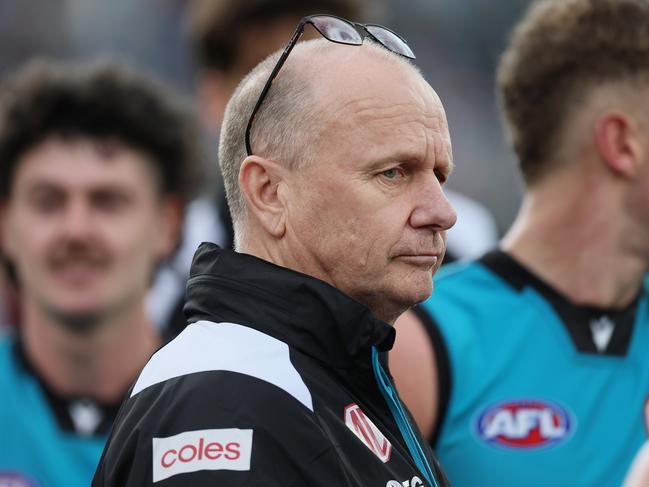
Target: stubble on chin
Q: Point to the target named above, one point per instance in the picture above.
(79, 322)
(83, 323)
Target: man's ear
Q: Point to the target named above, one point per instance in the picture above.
(616, 140)
(260, 181)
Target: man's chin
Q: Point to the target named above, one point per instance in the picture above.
(393, 308)
(80, 321)
(421, 296)
(421, 288)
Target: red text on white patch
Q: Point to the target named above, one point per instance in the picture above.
(191, 451)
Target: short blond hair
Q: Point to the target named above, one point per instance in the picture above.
(558, 53)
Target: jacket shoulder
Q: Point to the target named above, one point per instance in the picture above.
(224, 391)
(227, 347)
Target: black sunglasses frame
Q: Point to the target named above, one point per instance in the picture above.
(299, 30)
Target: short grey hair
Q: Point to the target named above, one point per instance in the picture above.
(282, 129)
(289, 125)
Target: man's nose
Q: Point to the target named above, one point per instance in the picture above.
(77, 220)
(432, 208)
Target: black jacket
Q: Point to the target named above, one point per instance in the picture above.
(272, 384)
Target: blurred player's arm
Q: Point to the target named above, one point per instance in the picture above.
(413, 364)
(638, 475)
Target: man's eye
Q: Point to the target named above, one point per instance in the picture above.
(110, 200)
(47, 202)
(390, 173)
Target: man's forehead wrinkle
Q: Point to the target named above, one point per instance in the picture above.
(375, 109)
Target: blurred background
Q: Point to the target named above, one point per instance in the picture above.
(457, 43)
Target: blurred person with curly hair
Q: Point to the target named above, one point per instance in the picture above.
(96, 164)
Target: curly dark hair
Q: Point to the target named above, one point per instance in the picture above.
(102, 101)
(558, 53)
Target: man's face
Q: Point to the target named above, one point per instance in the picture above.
(84, 226)
(369, 216)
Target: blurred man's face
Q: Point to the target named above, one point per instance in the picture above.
(84, 226)
(370, 215)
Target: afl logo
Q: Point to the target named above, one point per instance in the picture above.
(524, 424)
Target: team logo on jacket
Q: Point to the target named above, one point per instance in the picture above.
(367, 432)
(215, 449)
(524, 424)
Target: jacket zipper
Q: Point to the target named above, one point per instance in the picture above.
(399, 415)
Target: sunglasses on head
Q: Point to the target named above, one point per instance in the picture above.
(340, 31)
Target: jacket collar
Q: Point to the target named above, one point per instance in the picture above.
(307, 313)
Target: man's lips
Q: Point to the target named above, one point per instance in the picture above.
(422, 260)
(76, 274)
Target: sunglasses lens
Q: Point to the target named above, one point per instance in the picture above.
(390, 40)
(336, 30)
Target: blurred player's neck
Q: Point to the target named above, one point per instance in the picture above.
(574, 235)
(100, 364)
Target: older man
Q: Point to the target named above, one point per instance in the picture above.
(334, 160)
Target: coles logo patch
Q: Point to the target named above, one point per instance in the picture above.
(367, 432)
(191, 451)
(524, 424)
